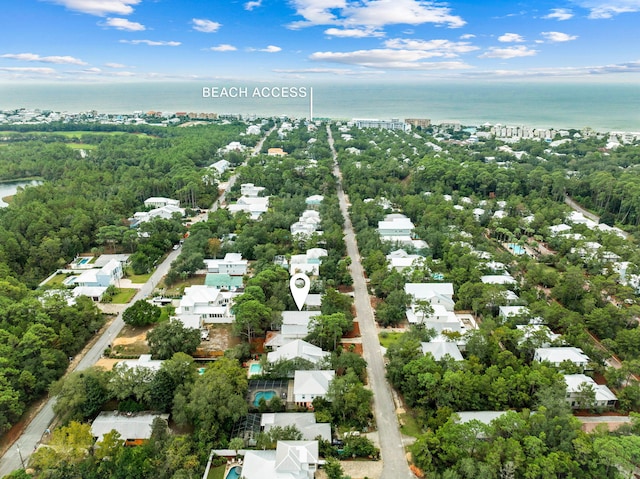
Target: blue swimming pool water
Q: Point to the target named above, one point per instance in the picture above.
(267, 395)
(516, 248)
(255, 368)
(234, 472)
(83, 261)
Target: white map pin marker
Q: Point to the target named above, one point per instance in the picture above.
(299, 285)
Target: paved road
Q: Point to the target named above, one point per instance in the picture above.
(18, 454)
(588, 214)
(33, 433)
(393, 454)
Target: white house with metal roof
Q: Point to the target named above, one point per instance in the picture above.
(557, 356)
(436, 293)
(290, 460)
(305, 422)
(298, 348)
(308, 385)
(134, 428)
(578, 384)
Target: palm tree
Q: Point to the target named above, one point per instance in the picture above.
(236, 443)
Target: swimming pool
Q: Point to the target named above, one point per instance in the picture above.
(516, 248)
(255, 368)
(266, 395)
(234, 472)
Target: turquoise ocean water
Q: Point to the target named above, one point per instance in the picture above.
(603, 106)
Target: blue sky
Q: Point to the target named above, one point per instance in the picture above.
(317, 40)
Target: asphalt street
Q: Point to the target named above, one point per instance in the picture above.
(395, 464)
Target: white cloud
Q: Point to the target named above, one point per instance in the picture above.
(352, 33)
(373, 13)
(467, 36)
(252, 4)
(510, 38)
(443, 48)
(388, 58)
(124, 24)
(99, 7)
(609, 8)
(509, 52)
(224, 47)
(33, 57)
(204, 25)
(152, 43)
(115, 65)
(559, 14)
(270, 49)
(37, 70)
(557, 37)
(563, 72)
(411, 12)
(330, 71)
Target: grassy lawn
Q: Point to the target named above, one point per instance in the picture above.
(57, 280)
(138, 278)
(388, 338)
(409, 426)
(124, 295)
(216, 472)
(81, 146)
(70, 134)
(178, 288)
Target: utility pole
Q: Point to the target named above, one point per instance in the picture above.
(20, 454)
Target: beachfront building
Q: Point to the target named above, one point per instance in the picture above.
(393, 124)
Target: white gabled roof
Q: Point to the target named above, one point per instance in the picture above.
(298, 349)
(565, 353)
(440, 349)
(428, 290)
(136, 426)
(312, 382)
(498, 279)
(575, 382)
